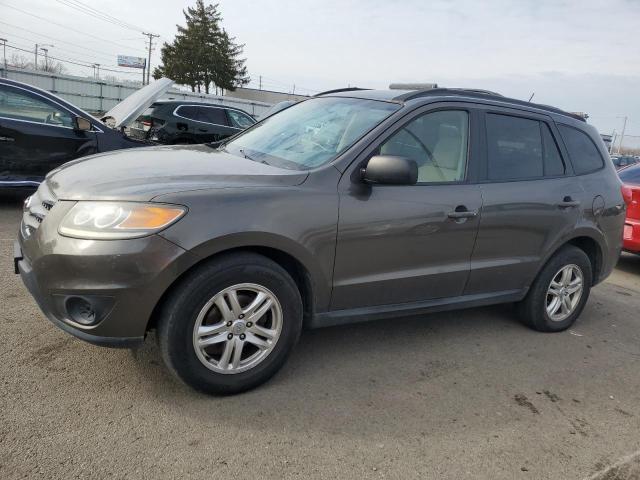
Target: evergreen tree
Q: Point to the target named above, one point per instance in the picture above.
(202, 54)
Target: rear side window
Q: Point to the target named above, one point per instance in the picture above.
(521, 148)
(630, 175)
(213, 115)
(584, 154)
(188, 111)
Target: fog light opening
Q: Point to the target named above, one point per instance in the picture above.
(81, 311)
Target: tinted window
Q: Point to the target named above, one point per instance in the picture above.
(213, 115)
(584, 154)
(239, 119)
(553, 164)
(514, 148)
(189, 111)
(630, 175)
(21, 105)
(437, 142)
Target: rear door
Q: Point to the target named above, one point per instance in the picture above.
(36, 136)
(410, 243)
(215, 125)
(530, 200)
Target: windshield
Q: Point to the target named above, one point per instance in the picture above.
(311, 133)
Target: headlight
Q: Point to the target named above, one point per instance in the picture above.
(118, 220)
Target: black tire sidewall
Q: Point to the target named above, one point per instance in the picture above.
(535, 305)
(176, 333)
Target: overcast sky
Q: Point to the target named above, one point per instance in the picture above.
(577, 55)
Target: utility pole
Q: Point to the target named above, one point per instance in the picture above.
(151, 37)
(35, 63)
(46, 58)
(260, 87)
(624, 126)
(4, 51)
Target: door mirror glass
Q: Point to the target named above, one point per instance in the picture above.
(390, 170)
(82, 124)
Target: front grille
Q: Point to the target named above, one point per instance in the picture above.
(36, 208)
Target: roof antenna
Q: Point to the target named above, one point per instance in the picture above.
(531, 96)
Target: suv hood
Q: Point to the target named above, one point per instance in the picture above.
(131, 107)
(140, 174)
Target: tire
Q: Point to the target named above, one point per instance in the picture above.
(200, 368)
(533, 309)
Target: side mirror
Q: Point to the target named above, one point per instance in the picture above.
(390, 170)
(82, 124)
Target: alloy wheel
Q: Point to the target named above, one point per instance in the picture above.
(564, 292)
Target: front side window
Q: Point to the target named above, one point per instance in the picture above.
(20, 105)
(437, 142)
(240, 120)
(584, 154)
(311, 133)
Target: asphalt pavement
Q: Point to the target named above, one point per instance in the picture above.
(459, 395)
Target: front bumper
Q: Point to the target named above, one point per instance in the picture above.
(128, 276)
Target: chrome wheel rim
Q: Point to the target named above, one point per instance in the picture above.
(564, 292)
(237, 328)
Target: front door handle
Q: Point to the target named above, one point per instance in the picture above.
(203, 130)
(462, 212)
(7, 139)
(568, 202)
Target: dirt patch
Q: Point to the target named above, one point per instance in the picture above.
(551, 396)
(523, 401)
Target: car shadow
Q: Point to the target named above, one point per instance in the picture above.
(629, 263)
(337, 378)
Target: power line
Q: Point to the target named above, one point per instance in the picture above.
(90, 65)
(66, 27)
(93, 12)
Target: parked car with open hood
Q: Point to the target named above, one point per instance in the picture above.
(349, 206)
(40, 131)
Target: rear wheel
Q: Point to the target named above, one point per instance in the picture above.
(559, 293)
(230, 325)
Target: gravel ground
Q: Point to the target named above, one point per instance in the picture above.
(470, 394)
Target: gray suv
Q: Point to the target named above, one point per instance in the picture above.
(353, 205)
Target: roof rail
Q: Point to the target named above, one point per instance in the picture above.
(482, 94)
(445, 91)
(337, 90)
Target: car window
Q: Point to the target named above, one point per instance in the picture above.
(630, 175)
(514, 147)
(553, 164)
(437, 142)
(21, 105)
(213, 115)
(312, 132)
(584, 154)
(188, 111)
(239, 119)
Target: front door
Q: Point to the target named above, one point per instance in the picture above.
(399, 244)
(36, 136)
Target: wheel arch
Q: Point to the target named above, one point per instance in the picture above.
(292, 264)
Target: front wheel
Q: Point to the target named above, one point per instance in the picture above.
(230, 325)
(559, 293)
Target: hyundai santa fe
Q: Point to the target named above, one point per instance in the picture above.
(353, 205)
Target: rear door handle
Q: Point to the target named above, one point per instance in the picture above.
(204, 130)
(7, 139)
(462, 212)
(568, 202)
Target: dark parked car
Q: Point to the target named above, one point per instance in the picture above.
(178, 122)
(40, 131)
(349, 206)
(621, 161)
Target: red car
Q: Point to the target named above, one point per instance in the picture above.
(630, 177)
